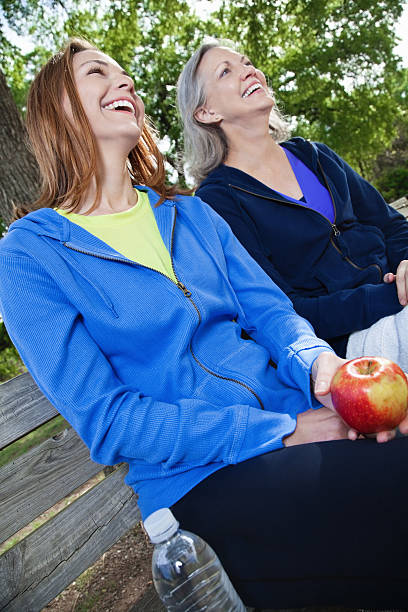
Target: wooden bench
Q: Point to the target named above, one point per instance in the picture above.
(401, 205)
(40, 566)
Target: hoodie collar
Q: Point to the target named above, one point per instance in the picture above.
(47, 222)
(303, 149)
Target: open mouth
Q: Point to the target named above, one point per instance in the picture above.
(121, 105)
(251, 90)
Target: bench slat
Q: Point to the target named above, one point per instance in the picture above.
(401, 205)
(40, 478)
(39, 567)
(22, 408)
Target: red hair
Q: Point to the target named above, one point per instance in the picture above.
(66, 152)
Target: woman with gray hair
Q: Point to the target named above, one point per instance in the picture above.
(318, 229)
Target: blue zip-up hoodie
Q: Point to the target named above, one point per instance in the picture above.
(148, 371)
(332, 272)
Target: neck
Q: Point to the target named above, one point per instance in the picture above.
(250, 145)
(117, 192)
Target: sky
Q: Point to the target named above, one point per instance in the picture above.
(402, 32)
(203, 7)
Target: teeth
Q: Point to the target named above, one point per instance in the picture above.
(251, 89)
(117, 103)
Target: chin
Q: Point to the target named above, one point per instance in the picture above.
(131, 143)
(130, 134)
(120, 144)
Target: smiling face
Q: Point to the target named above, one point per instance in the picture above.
(235, 89)
(114, 111)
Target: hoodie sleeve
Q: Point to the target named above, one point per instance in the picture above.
(356, 308)
(117, 421)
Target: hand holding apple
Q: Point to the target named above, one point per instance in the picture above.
(370, 394)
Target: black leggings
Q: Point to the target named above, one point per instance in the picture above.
(315, 524)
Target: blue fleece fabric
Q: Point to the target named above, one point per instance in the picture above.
(149, 372)
(333, 273)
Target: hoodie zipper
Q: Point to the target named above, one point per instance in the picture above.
(335, 230)
(186, 293)
(334, 227)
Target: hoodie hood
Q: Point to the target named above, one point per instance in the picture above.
(56, 231)
(43, 222)
(46, 222)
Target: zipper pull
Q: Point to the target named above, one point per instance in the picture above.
(184, 289)
(335, 229)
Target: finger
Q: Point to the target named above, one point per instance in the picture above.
(389, 277)
(385, 436)
(326, 365)
(405, 279)
(322, 385)
(401, 280)
(403, 426)
(326, 401)
(352, 434)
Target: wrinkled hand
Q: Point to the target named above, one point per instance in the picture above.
(323, 370)
(401, 280)
(403, 426)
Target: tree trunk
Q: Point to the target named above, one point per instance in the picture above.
(19, 176)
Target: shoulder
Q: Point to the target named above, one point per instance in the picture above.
(191, 206)
(329, 159)
(13, 242)
(215, 193)
(217, 189)
(300, 144)
(24, 236)
(208, 224)
(324, 149)
(201, 213)
(305, 147)
(218, 178)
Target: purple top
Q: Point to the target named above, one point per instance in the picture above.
(315, 195)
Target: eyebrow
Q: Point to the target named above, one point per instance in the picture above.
(242, 59)
(103, 63)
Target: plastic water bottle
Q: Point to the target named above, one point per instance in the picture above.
(187, 573)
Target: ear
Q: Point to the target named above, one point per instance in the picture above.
(204, 115)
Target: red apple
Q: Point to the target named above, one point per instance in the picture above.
(370, 394)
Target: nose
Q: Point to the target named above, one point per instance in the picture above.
(246, 71)
(124, 82)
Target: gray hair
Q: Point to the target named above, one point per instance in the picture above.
(205, 145)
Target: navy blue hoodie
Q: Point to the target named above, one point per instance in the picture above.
(332, 272)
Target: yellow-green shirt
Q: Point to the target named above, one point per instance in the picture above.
(133, 233)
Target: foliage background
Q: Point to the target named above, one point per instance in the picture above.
(331, 63)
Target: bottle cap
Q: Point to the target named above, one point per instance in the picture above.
(160, 525)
